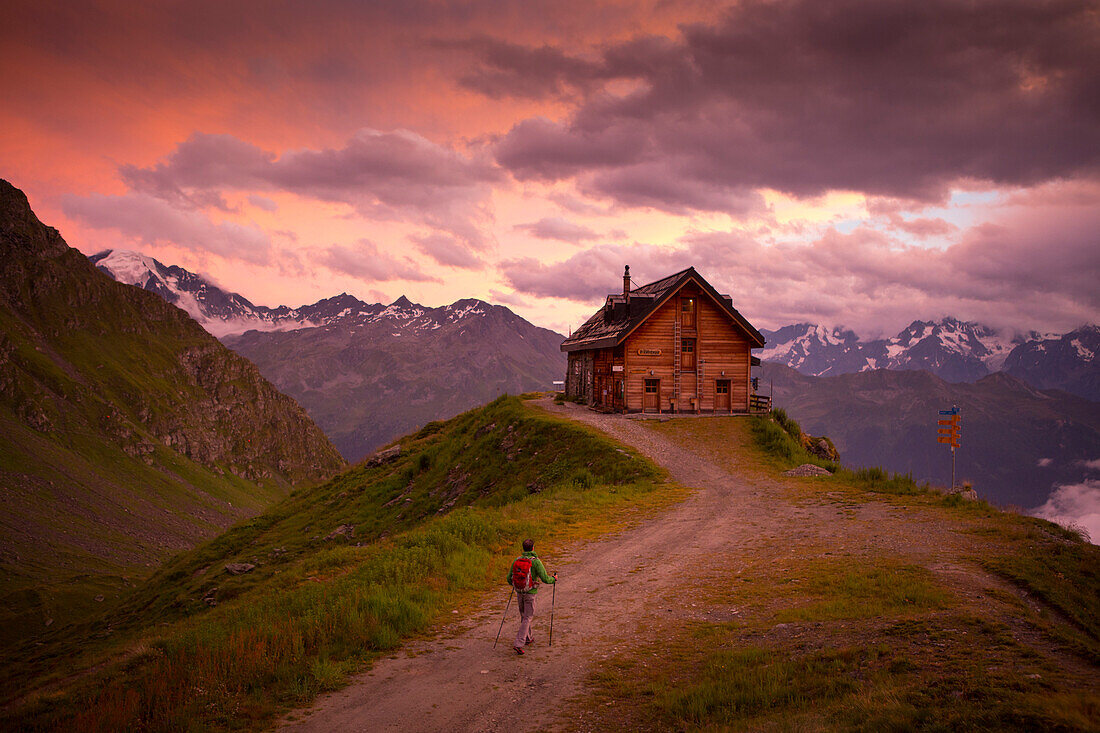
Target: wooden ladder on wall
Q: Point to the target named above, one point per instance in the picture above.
(676, 360)
(700, 372)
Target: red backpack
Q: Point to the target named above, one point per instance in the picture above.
(523, 576)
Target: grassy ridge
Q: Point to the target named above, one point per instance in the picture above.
(1054, 563)
(431, 529)
(866, 641)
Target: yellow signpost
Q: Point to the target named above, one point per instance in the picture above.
(948, 434)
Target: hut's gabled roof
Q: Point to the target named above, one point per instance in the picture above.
(612, 323)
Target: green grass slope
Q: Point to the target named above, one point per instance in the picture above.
(343, 571)
(868, 636)
(126, 431)
(811, 638)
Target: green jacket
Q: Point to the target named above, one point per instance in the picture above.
(537, 570)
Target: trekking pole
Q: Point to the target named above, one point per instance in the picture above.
(553, 597)
(506, 606)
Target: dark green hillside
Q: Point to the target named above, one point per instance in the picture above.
(126, 431)
(342, 570)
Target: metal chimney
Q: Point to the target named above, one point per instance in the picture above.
(626, 287)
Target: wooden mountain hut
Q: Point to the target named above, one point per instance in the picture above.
(674, 345)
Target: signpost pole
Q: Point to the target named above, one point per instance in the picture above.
(949, 434)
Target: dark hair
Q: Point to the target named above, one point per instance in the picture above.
(528, 545)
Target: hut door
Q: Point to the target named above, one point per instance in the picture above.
(722, 395)
(651, 399)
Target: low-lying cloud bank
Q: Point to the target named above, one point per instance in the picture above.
(1075, 505)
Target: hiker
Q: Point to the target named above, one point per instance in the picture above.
(524, 575)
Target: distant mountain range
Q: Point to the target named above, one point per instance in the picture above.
(221, 313)
(365, 372)
(956, 351)
(1017, 442)
(127, 432)
(369, 372)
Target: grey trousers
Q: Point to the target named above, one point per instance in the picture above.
(526, 603)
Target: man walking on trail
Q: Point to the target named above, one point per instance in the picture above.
(524, 575)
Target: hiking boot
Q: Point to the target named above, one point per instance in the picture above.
(519, 649)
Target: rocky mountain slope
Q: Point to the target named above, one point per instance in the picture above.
(128, 431)
(1017, 442)
(366, 372)
(957, 351)
(1067, 362)
(220, 312)
(374, 372)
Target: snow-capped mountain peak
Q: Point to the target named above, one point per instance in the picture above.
(126, 266)
(813, 349)
(972, 343)
(226, 314)
(958, 351)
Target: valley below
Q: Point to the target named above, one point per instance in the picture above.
(1018, 443)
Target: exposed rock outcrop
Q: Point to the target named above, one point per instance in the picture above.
(86, 352)
(808, 469)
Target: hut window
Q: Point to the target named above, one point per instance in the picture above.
(687, 312)
(687, 353)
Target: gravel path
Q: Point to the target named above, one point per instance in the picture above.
(459, 682)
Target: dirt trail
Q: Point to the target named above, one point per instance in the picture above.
(459, 682)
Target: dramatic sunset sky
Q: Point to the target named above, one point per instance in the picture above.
(858, 163)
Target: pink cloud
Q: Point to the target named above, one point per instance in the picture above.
(1009, 275)
(923, 227)
(366, 261)
(149, 220)
(556, 227)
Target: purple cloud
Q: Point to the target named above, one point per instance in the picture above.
(539, 148)
(393, 175)
(555, 227)
(263, 202)
(889, 98)
(448, 251)
(511, 70)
